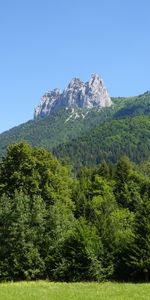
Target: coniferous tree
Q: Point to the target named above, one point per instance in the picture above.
(21, 232)
(139, 259)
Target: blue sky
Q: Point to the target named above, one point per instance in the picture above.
(45, 43)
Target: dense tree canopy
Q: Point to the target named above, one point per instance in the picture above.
(94, 225)
(35, 172)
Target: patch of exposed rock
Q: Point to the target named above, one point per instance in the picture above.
(77, 94)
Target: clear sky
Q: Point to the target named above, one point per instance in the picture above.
(45, 43)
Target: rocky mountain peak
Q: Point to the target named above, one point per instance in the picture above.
(95, 80)
(75, 82)
(77, 94)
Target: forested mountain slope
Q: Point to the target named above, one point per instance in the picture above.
(85, 136)
(127, 136)
(56, 129)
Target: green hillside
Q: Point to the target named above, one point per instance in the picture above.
(87, 136)
(129, 136)
(126, 132)
(58, 128)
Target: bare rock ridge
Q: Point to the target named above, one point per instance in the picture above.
(77, 94)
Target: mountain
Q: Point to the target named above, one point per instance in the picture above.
(86, 135)
(76, 95)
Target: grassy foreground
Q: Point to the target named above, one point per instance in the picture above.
(43, 290)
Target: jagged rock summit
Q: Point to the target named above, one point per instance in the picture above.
(77, 94)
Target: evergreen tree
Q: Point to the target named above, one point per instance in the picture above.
(122, 173)
(21, 233)
(139, 259)
(104, 170)
(82, 255)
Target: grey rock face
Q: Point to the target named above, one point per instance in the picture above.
(47, 103)
(77, 94)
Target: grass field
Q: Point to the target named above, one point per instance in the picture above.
(43, 290)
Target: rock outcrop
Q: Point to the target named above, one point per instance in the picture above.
(77, 94)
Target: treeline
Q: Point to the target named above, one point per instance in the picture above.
(54, 225)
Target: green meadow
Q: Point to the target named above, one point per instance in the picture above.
(43, 290)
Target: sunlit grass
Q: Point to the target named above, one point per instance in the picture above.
(43, 290)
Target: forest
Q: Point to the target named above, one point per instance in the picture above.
(88, 225)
